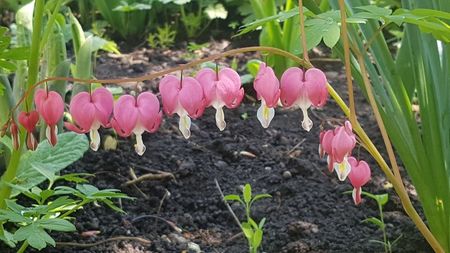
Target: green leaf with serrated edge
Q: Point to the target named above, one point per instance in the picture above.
(247, 193)
(8, 238)
(70, 148)
(257, 238)
(111, 205)
(75, 177)
(7, 215)
(87, 189)
(11, 204)
(247, 230)
(57, 224)
(374, 221)
(232, 197)
(24, 232)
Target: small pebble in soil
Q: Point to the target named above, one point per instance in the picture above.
(287, 174)
(221, 164)
(267, 168)
(193, 248)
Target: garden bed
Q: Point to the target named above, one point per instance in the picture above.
(308, 211)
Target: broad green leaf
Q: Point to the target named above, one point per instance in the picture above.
(257, 238)
(331, 37)
(7, 215)
(18, 53)
(57, 224)
(380, 11)
(8, 238)
(87, 189)
(232, 197)
(247, 193)
(6, 140)
(247, 230)
(9, 66)
(261, 196)
(70, 148)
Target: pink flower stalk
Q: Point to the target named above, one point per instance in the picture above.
(303, 89)
(136, 116)
(359, 176)
(183, 97)
(338, 144)
(221, 89)
(89, 112)
(29, 120)
(50, 106)
(267, 88)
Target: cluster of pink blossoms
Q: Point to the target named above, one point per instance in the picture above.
(337, 145)
(188, 97)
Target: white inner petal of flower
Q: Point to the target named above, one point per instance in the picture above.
(48, 134)
(342, 169)
(220, 118)
(265, 114)
(185, 124)
(304, 104)
(139, 147)
(95, 136)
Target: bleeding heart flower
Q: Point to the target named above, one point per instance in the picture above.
(338, 144)
(14, 135)
(303, 89)
(29, 120)
(267, 88)
(325, 147)
(136, 116)
(221, 89)
(359, 176)
(89, 112)
(50, 106)
(183, 97)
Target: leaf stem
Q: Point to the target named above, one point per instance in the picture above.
(348, 71)
(23, 247)
(302, 30)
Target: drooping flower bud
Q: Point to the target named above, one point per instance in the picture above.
(136, 116)
(50, 106)
(359, 176)
(14, 135)
(221, 89)
(303, 89)
(29, 120)
(183, 97)
(89, 112)
(267, 88)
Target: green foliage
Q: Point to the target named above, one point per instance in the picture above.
(381, 200)
(8, 55)
(51, 209)
(253, 231)
(164, 37)
(46, 161)
(130, 19)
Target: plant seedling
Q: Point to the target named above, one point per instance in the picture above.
(253, 231)
(381, 200)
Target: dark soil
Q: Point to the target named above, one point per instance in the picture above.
(308, 211)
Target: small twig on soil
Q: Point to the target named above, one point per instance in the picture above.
(226, 203)
(134, 177)
(88, 245)
(296, 146)
(170, 223)
(149, 176)
(234, 237)
(166, 194)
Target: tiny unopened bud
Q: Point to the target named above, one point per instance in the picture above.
(15, 135)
